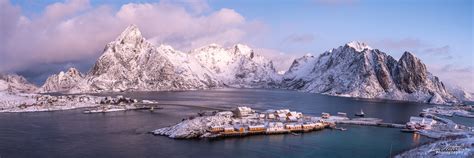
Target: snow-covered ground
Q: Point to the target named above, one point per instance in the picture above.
(21, 102)
(444, 127)
(453, 148)
(193, 128)
(199, 127)
(10, 101)
(450, 111)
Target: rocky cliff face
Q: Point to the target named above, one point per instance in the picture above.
(357, 70)
(15, 83)
(237, 66)
(62, 82)
(131, 63)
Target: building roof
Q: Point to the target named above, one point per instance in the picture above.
(281, 115)
(422, 120)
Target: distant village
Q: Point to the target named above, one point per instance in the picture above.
(248, 121)
(243, 121)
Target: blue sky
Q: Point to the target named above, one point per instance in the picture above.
(440, 32)
(436, 23)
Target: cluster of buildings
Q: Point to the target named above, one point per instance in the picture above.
(48, 100)
(117, 100)
(120, 103)
(418, 123)
(247, 121)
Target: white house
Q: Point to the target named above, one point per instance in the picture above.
(425, 123)
(243, 111)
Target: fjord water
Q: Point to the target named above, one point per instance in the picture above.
(124, 134)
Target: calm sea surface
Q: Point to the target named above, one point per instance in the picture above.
(124, 134)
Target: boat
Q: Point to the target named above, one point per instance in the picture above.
(343, 114)
(361, 114)
(340, 128)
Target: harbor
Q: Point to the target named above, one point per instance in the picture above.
(135, 124)
(245, 121)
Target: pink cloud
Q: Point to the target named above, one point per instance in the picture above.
(73, 30)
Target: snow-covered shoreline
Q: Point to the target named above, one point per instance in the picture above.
(458, 147)
(24, 102)
(27, 102)
(453, 140)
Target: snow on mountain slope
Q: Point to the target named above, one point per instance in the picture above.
(13, 91)
(459, 92)
(132, 63)
(15, 83)
(357, 70)
(62, 82)
(237, 66)
(299, 70)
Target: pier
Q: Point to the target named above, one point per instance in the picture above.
(371, 122)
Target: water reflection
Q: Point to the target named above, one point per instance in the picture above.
(416, 138)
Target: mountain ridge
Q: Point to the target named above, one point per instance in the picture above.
(360, 71)
(131, 63)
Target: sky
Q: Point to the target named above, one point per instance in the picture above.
(39, 38)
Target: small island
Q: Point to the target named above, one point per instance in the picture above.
(245, 121)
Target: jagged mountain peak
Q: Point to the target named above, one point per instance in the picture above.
(358, 46)
(411, 61)
(213, 47)
(15, 83)
(408, 56)
(308, 55)
(73, 72)
(357, 70)
(62, 81)
(131, 35)
(133, 63)
(236, 66)
(243, 50)
(166, 47)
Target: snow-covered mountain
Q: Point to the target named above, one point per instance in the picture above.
(62, 82)
(459, 92)
(130, 63)
(237, 66)
(15, 83)
(357, 70)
